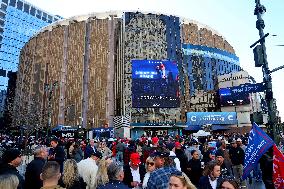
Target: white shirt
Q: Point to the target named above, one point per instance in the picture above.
(176, 160)
(213, 183)
(135, 175)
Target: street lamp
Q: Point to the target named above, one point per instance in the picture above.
(49, 88)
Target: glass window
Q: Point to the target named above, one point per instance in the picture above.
(12, 3)
(3, 7)
(32, 12)
(1, 30)
(26, 8)
(2, 15)
(20, 5)
(49, 17)
(5, 1)
(1, 23)
(38, 14)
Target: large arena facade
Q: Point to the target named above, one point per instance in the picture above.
(149, 68)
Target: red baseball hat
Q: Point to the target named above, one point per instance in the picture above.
(155, 140)
(135, 158)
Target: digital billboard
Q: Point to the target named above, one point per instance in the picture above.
(155, 84)
(228, 98)
(203, 118)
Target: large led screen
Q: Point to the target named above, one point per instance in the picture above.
(227, 98)
(155, 84)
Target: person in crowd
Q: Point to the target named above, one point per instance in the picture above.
(77, 153)
(180, 181)
(240, 144)
(70, 149)
(57, 153)
(134, 172)
(193, 146)
(172, 147)
(266, 166)
(194, 166)
(150, 167)
(115, 174)
(131, 148)
(34, 168)
(90, 149)
(50, 175)
(104, 150)
(226, 169)
(88, 169)
(211, 178)
(9, 181)
(11, 159)
(182, 157)
(229, 184)
(225, 151)
(102, 177)
(237, 156)
(120, 147)
(164, 168)
(71, 178)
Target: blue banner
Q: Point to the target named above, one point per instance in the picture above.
(259, 142)
(203, 118)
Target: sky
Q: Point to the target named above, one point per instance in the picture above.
(233, 19)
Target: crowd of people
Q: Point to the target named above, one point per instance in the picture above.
(149, 162)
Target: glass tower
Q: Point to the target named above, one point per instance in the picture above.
(19, 21)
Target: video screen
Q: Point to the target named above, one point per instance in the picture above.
(229, 99)
(155, 84)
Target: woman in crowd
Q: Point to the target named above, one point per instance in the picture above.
(150, 167)
(9, 181)
(71, 178)
(102, 177)
(106, 152)
(77, 153)
(229, 184)
(179, 180)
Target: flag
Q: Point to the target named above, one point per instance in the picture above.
(278, 168)
(259, 142)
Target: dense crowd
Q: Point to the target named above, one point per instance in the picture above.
(149, 162)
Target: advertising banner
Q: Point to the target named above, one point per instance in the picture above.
(155, 84)
(203, 118)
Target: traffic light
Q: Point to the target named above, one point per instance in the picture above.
(258, 56)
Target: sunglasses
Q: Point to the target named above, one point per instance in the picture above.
(150, 163)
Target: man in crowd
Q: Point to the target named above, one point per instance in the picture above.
(57, 153)
(50, 175)
(211, 178)
(90, 149)
(134, 172)
(165, 167)
(11, 160)
(226, 170)
(34, 168)
(237, 156)
(88, 169)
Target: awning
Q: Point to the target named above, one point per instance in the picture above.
(193, 128)
(219, 127)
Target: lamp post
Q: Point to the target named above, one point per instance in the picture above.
(261, 61)
(49, 88)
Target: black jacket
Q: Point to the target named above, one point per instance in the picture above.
(9, 169)
(59, 153)
(88, 151)
(205, 184)
(195, 171)
(77, 184)
(128, 175)
(32, 175)
(237, 155)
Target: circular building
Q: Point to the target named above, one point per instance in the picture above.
(142, 70)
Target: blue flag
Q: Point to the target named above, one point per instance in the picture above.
(259, 142)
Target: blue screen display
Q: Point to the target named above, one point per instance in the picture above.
(202, 118)
(155, 84)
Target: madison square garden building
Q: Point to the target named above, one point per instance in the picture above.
(145, 70)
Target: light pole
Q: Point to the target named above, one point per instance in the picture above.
(49, 88)
(261, 61)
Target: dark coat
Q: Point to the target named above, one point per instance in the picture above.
(59, 153)
(113, 184)
(195, 171)
(9, 169)
(78, 184)
(128, 175)
(205, 184)
(32, 175)
(88, 151)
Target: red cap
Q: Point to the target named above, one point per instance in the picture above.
(177, 145)
(135, 158)
(155, 140)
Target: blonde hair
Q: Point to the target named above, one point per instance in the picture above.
(70, 172)
(185, 181)
(102, 177)
(9, 181)
(148, 159)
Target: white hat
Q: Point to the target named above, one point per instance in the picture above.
(239, 140)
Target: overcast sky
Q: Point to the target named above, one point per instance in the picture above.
(234, 19)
